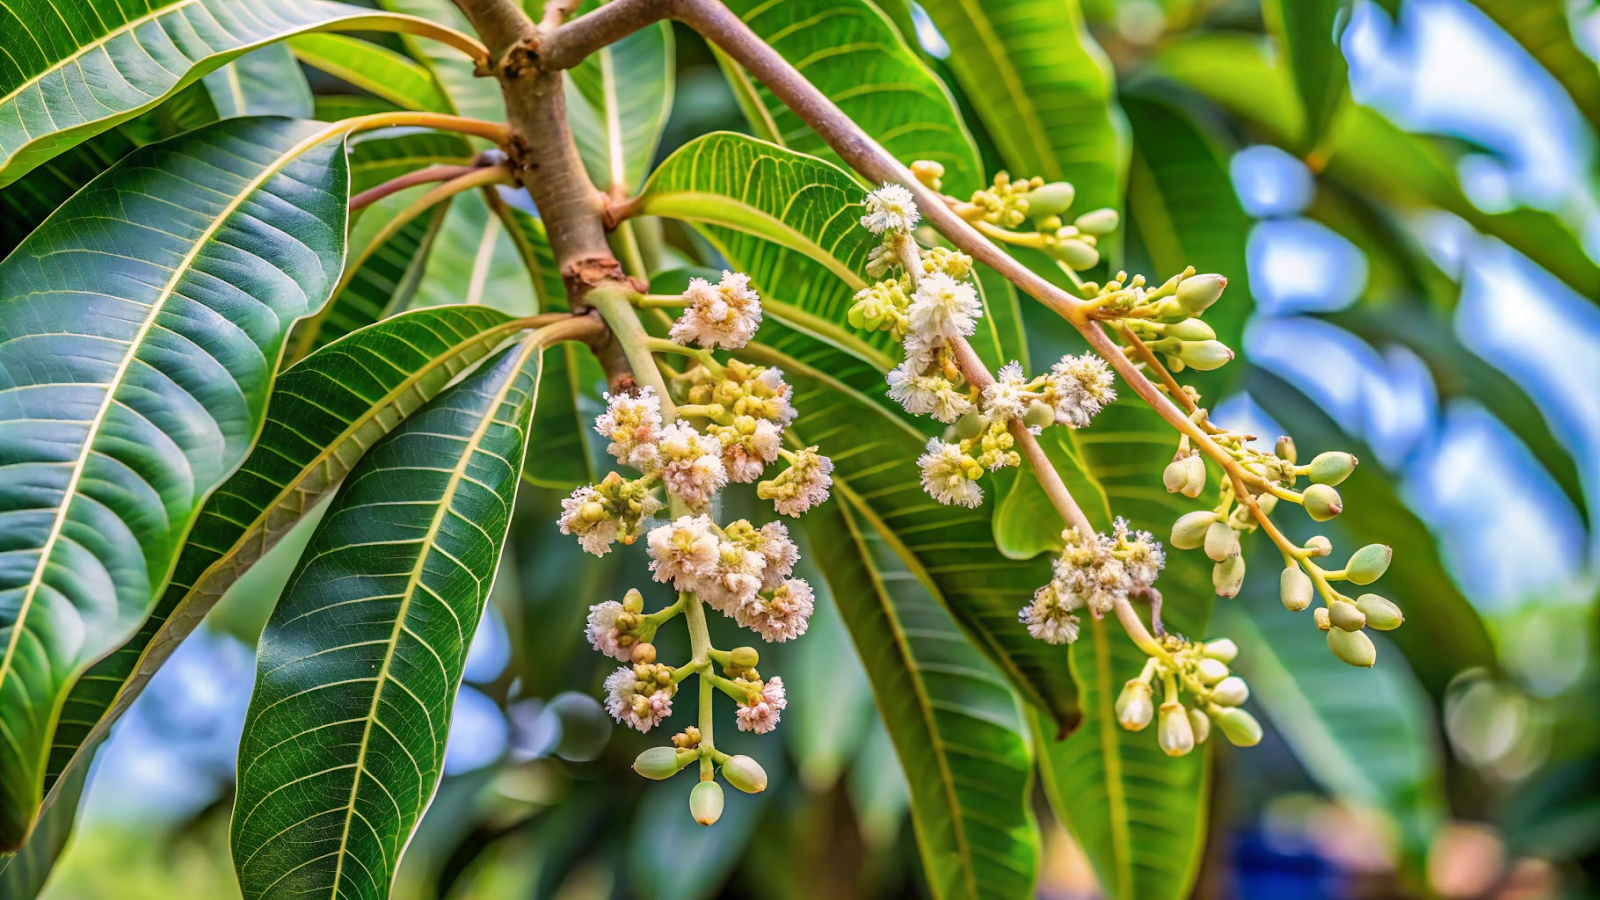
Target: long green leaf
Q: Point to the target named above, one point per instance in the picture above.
(1544, 29)
(375, 69)
(1308, 33)
(72, 70)
(468, 94)
(623, 94)
(138, 342)
(360, 663)
(475, 260)
(23, 874)
(325, 412)
(264, 82)
(380, 157)
(958, 729)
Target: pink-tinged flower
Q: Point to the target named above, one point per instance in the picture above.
(683, 552)
(694, 469)
(636, 703)
(584, 514)
(782, 616)
(761, 714)
(801, 486)
(780, 552)
(734, 580)
(602, 630)
(633, 425)
(726, 314)
(748, 446)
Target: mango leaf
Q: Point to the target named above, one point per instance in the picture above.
(1043, 89)
(1543, 29)
(1308, 32)
(81, 68)
(263, 82)
(23, 874)
(375, 69)
(325, 412)
(617, 106)
(958, 729)
(468, 94)
(140, 342)
(359, 665)
(383, 156)
(475, 260)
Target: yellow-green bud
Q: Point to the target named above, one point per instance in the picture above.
(1075, 253)
(1381, 614)
(1268, 503)
(1211, 671)
(1319, 546)
(1228, 576)
(1189, 330)
(1200, 723)
(1189, 532)
(1205, 355)
(1368, 564)
(1052, 199)
(1197, 476)
(745, 774)
(1196, 293)
(1285, 448)
(1222, 541)
(1098, 222)
(1322, 502)
(928, 172)
(1039, 415)
(1331, 467)
(1175, 734)
(1223, 650)
(1353, 647)
(1345, 616)
(1230, 691)
(1239, 727)
(592, 512)
(744, 658)
(1295, 587)
(659, 763)
(971, 425)
(1320, 616)
(633, 601)
(1175, 476)
(644, 653)
(705, 802)
(1134, 707)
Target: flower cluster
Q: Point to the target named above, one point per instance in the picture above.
(1200, 672)
(1008, 205)
(1093, 573)
(725, 314)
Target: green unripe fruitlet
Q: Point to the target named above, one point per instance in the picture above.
(1039, 415)
(744, 657)
(1189, 532)
(1239, 727)
(1320, 615)
(1381, 614)
(1175, 476)
(1134, 706)
(1076, 254)
(1331, 467)
(1227, 576)
(1296, 588)
(658, 763)
(1197, 293)
(705, 802)
(1196, 483)
(1319, 546)
(1346, 616)
(1221, 541)
(1098, 222)
(1354, 647)
(1205, 355)
(1285, 448)
(1368, 564)
(745, 774)
(970, 425)
(1051, 199)
(1323, 502)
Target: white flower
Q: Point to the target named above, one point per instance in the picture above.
(944, 307)
(633, 424)
(734, 580)
(584, 514)
(632, 707)
(921, 351)
(1083, 386)
(723, 315)
(1142, 556)
(683, 552)
(945, 475)
(1049, 617)
(748, 446)
(1089, 574)
(761, 715)
(1004, 400)
(771, 387)
(801, 486)
(890, 208)
(694, 469)
(781, 617)
(923, 395)
(602, 630)
(780, 552)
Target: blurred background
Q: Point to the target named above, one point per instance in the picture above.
(1424, 290)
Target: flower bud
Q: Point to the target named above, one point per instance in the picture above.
(705, 802)
(1196, 293)
(745, 774)
(744, 657)
(1211, 671)
(1197, 476)
(1295, 587)
(1368, 564)
(644, 653)
(1239, 727)
(1322, 502)
(970, 425)
(1075, 253)
(1319, 546)
(658, 763)
(1134, 705)
(1039, 415)
(1175, 476)
(1381, 614)
(1200, 723)
(1222, 650)
(1098, 222)
(1320, 616)
(1189, 330)
(1052, 199)
(1228, 576)
(1345, 615)
(1268, 503)
(1222, 541)
(1189, 532)
(1204, 355)
(1332, 467)
(1230, 691)
(928, 172)
(1285, 448)
(633, 601)
(1175, 734)
(1354, 647)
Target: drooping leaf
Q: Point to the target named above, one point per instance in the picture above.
(1544, 29)
(72, 70)
(325, 412)
(618, 105)
(138, 341)
(359, 665)
(959, 730)
(379, 70)
(1308, 33)
(264, 82)
(23, 874)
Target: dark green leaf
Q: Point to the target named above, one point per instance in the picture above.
(23, 874)
(381, 71)
(263, 82)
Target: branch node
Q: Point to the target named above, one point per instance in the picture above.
(521, 59)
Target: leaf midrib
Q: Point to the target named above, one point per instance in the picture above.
(1019, 95)
(127, 27)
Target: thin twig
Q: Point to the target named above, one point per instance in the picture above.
(411, 179)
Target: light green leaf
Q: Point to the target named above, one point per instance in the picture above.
(81, 68)
(325, 412)
(1308, 32)
(475, 261)
(375, 69)
(263, 82)
(470, 95)
(617, 106)
(139, 342)
(958, 729)
(360, 663)
(1544, 29)
(385, 155)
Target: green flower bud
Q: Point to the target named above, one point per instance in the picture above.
(1200, 723)
(1211, 671)
(1319, 546)
(1197, 476)
(1175, 734)
(1175, 476)
(658, 763)
(1134, 707)
(705, 802)
(1204, 355)
(1285, 448)
(1346, 616)
(1196, 293)
(1222, 650)
(1189, 532)
(1239, 727)
(1098, 222)
(1353, 647)
(1368, 564)
(1227, 576)
(1039, 415)
(1381, 614)
(1331, 467)
(1222, 541)
(1189, 330)
(633, 601)
(745, 774)
(1075, 253)
(971, 425)
(1295, 587)
(1230, 691)
(1320, 616)
(1268, 503)
(744, 657)
(1323, 502)
(1052, 199)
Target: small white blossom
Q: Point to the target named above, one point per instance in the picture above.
(683, 551)
(1005, 399)
(1050, 616)
(890, 208)
(1142, 556)
(924, 395)
(1089, 574)
(734, 580)
(584, 514)
(761, 716)
(771, 383)
(694, 469)
(780, 552)
(801, 486)
(944, 307)
(945, 475)
(633, 425)
(1083, 386)
(726, 314)
(628, 705)
(782, 616)
(602, 630)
